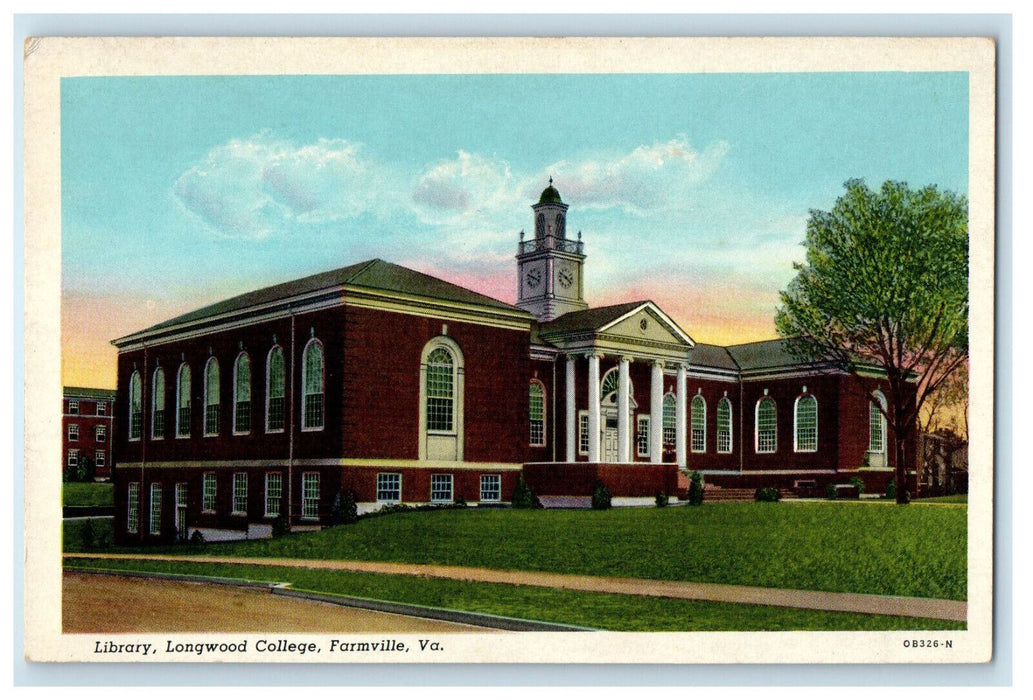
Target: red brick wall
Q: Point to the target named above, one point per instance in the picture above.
(712, 392)
(87, 444)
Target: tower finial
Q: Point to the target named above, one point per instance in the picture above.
(550, 180)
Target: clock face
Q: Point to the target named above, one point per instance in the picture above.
(566, 277)
(534, 277)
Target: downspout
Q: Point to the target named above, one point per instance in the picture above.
(290, 439)
(143, 448)
(742, 422)
(554, 421)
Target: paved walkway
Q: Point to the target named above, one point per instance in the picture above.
(899, 606)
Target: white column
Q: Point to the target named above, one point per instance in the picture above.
(623, 411)
(680, 415)
(656, 414)
(593, 407)
(571, 411)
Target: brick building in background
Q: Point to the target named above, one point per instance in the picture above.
(398, 387)
(86, 427)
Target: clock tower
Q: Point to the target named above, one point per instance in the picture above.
(550, 265)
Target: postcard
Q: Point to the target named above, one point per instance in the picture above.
(385, 350)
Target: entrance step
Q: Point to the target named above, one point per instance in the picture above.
(565, 501)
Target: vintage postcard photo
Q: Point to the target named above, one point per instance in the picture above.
(509, 350)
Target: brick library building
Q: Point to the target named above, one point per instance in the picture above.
(392, 386)
(86, 425)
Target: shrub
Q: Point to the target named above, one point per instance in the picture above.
(601, 497)
(661, 499)
(695, 489)
(281, 526)
(344, 509)
(87, 535)
(891, 489)
(523, 498)
(859, 483)
(197, 539)
(831, 493)
(768, 495)
(459, 502)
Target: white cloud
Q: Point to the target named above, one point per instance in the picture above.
(649, 178)
(251, 188)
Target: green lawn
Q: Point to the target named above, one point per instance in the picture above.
(865, 548)
(957, 498)
(86, 534)
(87, 494)
(596, 610)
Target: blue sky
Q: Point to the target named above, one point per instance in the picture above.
(692, 190)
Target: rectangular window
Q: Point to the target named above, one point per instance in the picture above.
(211, 419)
(155, 509)
(310, 495)
(242, 417)
(441, 488)
(724, 426)
(73, 458)
(491, 488)
(102, 433)
(101, 459)
(275, 414)
(181, 495)
(240, 493)
(642, 436)
(73, 432)
(102, 408)
(537, 414)
(273, 493)
(389, 488)
(698, 420)
(582, 433)
(73, 408)
(133, 507)
(876, 440)
(807, 424)
(208, 492)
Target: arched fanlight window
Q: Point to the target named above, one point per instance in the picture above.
(670, 419)
(211, 397)
(806, 424)
(440, 390)
(766, 428)
(699, 424)
(536, 409)
(242, 394)
(158, 405)
(183, 401)
(313, 383)
(274, 394)
(724, 426)
(135, 407)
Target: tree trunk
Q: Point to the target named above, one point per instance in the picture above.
(901, 470)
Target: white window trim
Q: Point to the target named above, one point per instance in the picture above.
(102, 408)
(180, 434)
(100, 459)
(73, 432)
(133, 507)
(304, 380)
(545, 422)
(268, 387)
(387, 501)
(480, 495)
(756, 427)
(268, 513)
(154, 403)
(73, 452)
(582, 429)
(100, 433)
(134, 376)
(73, 408)
(639, 420)
(451, 488)
(154, 528)
(204, 401)
(305, 499)
(458, 396)
(731, 432)
(877, 395)
(236, 493)
(236, 368)
(796, 424)
(697, 399)
(204, 492)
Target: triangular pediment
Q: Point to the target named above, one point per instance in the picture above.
(646, 323)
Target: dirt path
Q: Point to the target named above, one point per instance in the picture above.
(151, 605)
(900, 606)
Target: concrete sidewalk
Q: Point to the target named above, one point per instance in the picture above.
(899, 606)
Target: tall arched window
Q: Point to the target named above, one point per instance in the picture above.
(274, 393)
(766, 427)
(183, 401)
(135, 407)
(312, 381)
(440, 390)
(441, 400)
(699, 424)
(806, 433)
(537, 413)
(670, 419)
(242, 394)
(211, 397)
(724, 426)
(877, 424)
(158, 405)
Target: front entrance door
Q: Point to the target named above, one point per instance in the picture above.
(609, 451)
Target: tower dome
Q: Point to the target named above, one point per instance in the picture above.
(550, 195)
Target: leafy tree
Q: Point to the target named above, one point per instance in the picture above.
(885, 288)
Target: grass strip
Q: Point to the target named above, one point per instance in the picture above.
(87, 494)
(598, 610)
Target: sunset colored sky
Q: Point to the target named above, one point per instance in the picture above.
(690, 190)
